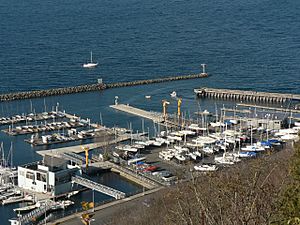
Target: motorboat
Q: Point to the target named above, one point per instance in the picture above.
(245, 154)
(62, 204)
(206, 167)
(180, 157)
(25, 208)
(173, 94)
(208, 150)
(127, 148)
(253, 148)
(223, 160)
(147, 96)
(90, 64)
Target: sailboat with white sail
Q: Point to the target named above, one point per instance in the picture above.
(90, 64)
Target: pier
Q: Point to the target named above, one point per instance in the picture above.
(139, 112)
(99, 187)
(91, 87)
(31, 117)
(240, 95)
(270, 108)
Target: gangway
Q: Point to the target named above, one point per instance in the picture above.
(33, 215)
(98, 187)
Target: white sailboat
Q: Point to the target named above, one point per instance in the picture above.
(90, 64)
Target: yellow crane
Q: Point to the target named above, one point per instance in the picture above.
(86, 150)
(165, 103)
(179, 101)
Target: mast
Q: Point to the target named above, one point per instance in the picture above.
(91, 56)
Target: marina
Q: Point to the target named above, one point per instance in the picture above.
(31, 117)
(204, 143)
(149, 112)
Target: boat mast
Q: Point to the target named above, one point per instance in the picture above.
(91, 56)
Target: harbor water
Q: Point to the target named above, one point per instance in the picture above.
(246, 45)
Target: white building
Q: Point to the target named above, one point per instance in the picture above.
(263, 123)
(51, 175)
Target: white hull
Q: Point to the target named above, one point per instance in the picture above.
(206, 168)
(89, 65)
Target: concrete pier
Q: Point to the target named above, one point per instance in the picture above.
(139, 112)
(240, 95)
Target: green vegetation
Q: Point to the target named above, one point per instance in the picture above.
(289, 204)
(261, 191)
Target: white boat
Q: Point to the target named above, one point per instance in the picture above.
(208, 150)
(25, 208)
(206, 168)
(224, 160)
(253, 148)
(62, 204)
(144, 143)
(166, 155)
(16, 199)
(173, 94)
(192, 155)
(126, 148)
(180, 157)
(245, 154)
(90, 64)
(72, 193)
(147, 96)
(290, 137)
(181, 149)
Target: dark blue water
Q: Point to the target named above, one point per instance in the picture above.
(251, 45)
(246, 44)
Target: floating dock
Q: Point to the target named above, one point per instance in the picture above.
(31, 117)
(80, 148)
(241, 95)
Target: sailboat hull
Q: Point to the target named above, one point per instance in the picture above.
(90, 65)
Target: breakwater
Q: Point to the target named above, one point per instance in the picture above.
(241, 95)
(91, 87)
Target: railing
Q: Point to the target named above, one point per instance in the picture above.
(99, 187)
(78, 159)
(28, 218)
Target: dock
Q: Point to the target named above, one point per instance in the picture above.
(156, 117)
(270, 108)
(31, 117)
(80, 148)
(98, 187)
(241, 95)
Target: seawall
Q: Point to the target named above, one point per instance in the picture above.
(90, 87)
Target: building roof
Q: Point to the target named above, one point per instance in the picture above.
(54, 162)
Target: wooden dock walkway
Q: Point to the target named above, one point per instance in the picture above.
(139, 112)
(241, 95)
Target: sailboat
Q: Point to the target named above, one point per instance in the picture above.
(90, 64)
